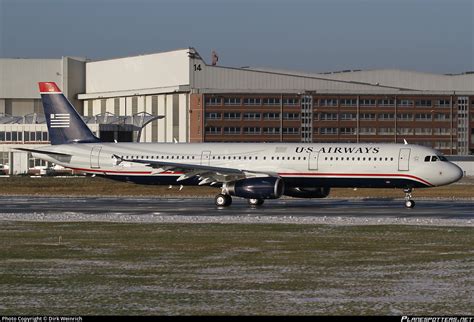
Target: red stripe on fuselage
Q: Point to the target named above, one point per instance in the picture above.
(283, 174)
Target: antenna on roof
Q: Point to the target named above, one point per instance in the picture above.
(214, 58)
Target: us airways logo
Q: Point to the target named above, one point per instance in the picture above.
(331, 149)
(60, 120)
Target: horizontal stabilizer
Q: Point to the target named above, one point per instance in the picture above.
(43, 152)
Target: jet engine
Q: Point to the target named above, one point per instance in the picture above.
(257, 188)
(307, 192)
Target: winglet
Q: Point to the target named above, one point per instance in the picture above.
(49, 87)
(405, 142)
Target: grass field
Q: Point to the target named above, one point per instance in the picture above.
(93, 186)
(112, 268)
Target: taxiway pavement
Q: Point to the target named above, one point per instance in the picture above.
(203, 210)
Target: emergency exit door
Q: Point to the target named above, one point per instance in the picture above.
(205, 157)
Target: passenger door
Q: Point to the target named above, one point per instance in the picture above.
(313, 160)
(95, 154)
(404, 159)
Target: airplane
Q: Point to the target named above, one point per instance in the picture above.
(254, 171)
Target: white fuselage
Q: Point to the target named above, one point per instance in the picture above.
(298, 164)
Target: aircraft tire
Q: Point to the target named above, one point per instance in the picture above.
(410, 203)
(255, 202)
(223, 200)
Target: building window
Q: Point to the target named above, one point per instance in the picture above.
(386, 117)
(271, 130)
(328, 116)
(213, 130)
(405, 131)
(252, 101)
(442, 117)
(134, 105)
(232, 101)
(347, 131)
(271, 116)
(386, 102)
(423, 117)
(405, 103)
(422, 131)
(290, 101)
(291, 116)
(367, 131)
(442, 131)
(290, 130)
(328, 102)
(232, 130)
(367, 102)
(271, 101)
(386, 131)
(348, 117)
(349, 102)
(251, 130)
(213, 116)
(443, 103)
(423, 103)
(328, 130)
(252, 116)
(231, 116)
(405, 117)
(367, 116)
(4, 160)
(213, 101)
(117, 104)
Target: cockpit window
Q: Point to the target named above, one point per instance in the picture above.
(442, 158)
(434, 158)
(427, 158)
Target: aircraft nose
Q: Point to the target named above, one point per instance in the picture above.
(456, 172)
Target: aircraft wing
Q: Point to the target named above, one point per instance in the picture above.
(206, 174)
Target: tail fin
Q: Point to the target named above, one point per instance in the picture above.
(65, 125)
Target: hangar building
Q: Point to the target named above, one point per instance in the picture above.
(210, 103)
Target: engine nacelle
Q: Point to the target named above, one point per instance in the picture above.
(307, 192)
(256, 188)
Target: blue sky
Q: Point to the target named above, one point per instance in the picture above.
(315, 36)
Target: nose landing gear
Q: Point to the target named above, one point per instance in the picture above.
(409, 203)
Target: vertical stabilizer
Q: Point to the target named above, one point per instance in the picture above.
(65, 125)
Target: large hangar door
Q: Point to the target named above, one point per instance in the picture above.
(95, 154)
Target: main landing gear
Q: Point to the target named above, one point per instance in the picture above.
(224, 200)
(409, 203)
(255, 202)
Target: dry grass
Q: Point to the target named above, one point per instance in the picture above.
(88, 186)
(214, 269)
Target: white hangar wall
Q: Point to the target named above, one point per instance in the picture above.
(138, 72)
